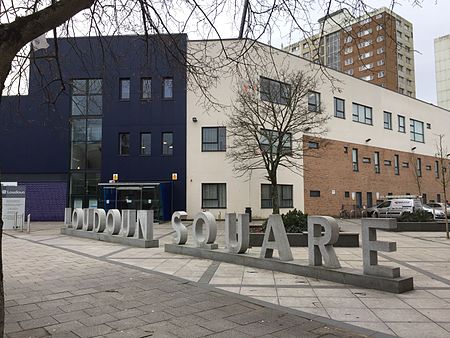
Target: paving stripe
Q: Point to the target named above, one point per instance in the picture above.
(209, 273)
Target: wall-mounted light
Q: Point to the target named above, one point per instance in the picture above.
(413, 148)
(368, 140)
(194, 119)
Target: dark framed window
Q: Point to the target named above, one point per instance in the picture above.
(376, 162)
(417, 132)
(339, 108)
(369, 199)
(396, 165)
(214, 195)
(387, 120)
(271, 140)
(362, 114)
(86, 97)
(146, 88)
(274, 91)
(313, 145)
(436, 169)
(168, 88)
(355, 166)
(285, 196)
(401, 124)
(167, 143)
(314, 102)
(347, 194)
(124, 143)
(419, 167)
(387, 163)
(366, 160)
(214, 139)
(428, 167)
(314, 193)
(124, 89)
(146, 144)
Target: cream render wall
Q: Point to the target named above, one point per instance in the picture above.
(442, 63)
(213, 167)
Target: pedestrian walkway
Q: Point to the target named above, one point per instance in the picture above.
(423, 312)
(68, 287)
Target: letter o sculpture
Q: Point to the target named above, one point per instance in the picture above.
(77, 219)
(99, 220)
(113, 222)
(207, 219)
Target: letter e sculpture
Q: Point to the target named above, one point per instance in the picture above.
(370, 246)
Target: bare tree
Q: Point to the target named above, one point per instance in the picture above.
(444, 177)
(268, 124)
(416, 166)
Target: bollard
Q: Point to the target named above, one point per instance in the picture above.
(21, 222)
(28, 223)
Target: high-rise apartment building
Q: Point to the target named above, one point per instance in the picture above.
(442, 62)
(377, 47)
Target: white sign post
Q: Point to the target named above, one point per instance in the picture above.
(13, 199)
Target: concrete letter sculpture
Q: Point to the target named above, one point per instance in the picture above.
(99, 220)
(275, 230)
(113, 222)
(370, 246)
(322, 246)
(128, 223)
(77, 219)
(144, 225)
(181, 233)
(236, 235)
(201, 240)
(88, 219)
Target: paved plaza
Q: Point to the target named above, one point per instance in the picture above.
(59, 285)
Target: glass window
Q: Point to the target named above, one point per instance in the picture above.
(436, 169)
(339, 108)
(95, 103)
(376, 162)
(167, 143)
(362, 114)
(78, 156)
(146, 144)
(313, 145)
(401, 124)
(355, 159)
(417, 131)
(79, 130)
(168, 88)
(146, 88)
(419, 167)
(314, 102)
(94, 156)
(92, 180)
(270, 141)
(314, 193)
(79, 105)
(94, 130)
(213, 139)
(274, 91)
(124, 89)
(124, 143)
(387, 120)
(77, 183)
(285, 196)
(396, 165)
(214, 195)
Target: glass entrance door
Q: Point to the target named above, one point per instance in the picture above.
(129, 198)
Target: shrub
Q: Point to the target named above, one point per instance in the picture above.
(294, 221)
(416, 216)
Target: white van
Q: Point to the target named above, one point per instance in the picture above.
(397, 207)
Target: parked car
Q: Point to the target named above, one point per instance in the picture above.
(437, 209)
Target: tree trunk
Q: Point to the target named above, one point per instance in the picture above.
(2, 294)
(275, 200)
(445, 211)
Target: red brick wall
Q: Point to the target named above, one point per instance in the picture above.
(330, 168)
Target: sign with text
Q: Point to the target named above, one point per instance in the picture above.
(13, 199)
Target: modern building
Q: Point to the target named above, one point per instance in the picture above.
(126, 106)
(377, 47)
(442, 66)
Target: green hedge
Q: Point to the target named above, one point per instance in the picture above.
(416, 216)
(294, 221)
